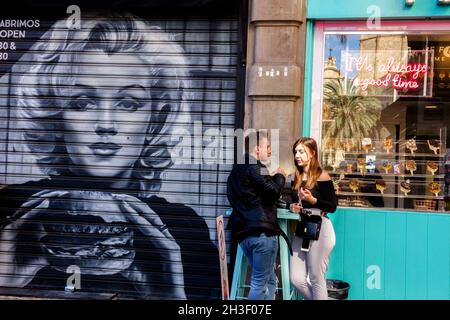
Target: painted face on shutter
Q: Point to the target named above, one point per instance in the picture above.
(106, 119)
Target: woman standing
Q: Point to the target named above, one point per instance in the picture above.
(313, 189)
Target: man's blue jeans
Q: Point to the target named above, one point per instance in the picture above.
(261, 253)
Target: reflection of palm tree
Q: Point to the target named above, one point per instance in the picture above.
(351, 115)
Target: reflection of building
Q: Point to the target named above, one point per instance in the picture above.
(330, 70)
(379, 49)
(330, 73)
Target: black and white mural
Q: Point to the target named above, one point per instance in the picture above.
(96, 193)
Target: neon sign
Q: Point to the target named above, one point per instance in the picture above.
(406, 72)
(398, 75)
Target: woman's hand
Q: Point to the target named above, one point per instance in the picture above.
(306, 195)
(295, 207)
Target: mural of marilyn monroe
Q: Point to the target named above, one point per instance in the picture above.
(97, 106)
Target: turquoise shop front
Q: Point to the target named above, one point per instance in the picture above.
(392, 255)
(393, 221)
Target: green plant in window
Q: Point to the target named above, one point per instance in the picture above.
(347, 113)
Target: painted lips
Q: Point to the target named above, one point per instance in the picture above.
(104, 149)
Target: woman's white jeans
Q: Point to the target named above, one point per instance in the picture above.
(307, 269)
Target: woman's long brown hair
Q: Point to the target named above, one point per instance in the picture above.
(314, 166)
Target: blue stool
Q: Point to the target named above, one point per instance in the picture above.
(239, 285)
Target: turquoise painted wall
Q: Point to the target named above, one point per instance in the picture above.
(341, 9)
(307, 87)
(410, 251)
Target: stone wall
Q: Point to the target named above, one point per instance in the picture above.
(275, 60)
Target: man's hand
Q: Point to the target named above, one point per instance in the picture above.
(280, 170)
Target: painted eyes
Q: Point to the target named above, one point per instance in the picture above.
(84, 103)
(130, 105)
(81, 104)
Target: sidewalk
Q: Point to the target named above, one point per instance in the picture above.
(35, 294)
(22, 298)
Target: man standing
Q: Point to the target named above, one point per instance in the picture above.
(253, 194)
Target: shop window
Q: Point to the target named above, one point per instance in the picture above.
(385, 119)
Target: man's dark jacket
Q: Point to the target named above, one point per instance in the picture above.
(253, 194)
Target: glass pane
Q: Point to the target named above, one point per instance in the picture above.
(386, 100)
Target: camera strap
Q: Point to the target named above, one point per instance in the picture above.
(288, 242)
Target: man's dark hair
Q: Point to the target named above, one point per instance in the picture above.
(254, 138)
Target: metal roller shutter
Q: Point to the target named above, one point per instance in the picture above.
(112, 162)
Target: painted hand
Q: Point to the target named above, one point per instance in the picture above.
(151, 226)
